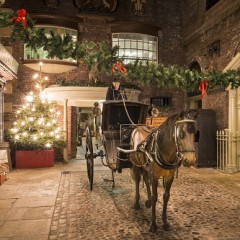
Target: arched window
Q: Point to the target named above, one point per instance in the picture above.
(30, 54)
(136, 41)
(195, 66)
(133, 46)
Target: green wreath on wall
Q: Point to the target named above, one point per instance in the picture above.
(101, 56)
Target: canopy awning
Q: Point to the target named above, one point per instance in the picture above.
(8, 65)
(234, 64)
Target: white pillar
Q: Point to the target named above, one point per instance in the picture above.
(238, 130)
(232, 116)
(65, 129)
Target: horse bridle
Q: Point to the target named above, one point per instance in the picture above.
(152, 156)
(179, 152)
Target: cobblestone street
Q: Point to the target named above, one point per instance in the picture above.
(199, 208)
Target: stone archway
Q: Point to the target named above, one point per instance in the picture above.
(195, 66)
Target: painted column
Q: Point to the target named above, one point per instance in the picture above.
(65, 129)
(232, 116)
(238, 130)
(1, 116)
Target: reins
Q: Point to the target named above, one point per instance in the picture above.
(125, 107)
(156, 156)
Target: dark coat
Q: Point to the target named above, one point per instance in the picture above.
(115, 94)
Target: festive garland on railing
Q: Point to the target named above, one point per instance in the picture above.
(103, 58)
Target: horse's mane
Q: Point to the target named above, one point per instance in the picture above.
(168, 123)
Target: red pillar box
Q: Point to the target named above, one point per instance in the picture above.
(2, 177)
(35, 159)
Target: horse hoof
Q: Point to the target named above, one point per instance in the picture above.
(166, 226)
(148, 204)
(136, 206)
(153, 228)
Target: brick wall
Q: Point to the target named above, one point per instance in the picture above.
(185, 31)
(201, 28)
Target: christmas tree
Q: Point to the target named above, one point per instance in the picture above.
(36, 127)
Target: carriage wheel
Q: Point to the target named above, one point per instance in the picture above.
(89, 156)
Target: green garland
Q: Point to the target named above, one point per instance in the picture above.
(100, 57)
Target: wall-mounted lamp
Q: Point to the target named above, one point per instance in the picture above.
(138, 7)
(214, 48)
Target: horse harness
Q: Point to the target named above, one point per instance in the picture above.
(152, 152)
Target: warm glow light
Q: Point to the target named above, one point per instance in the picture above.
(33, 109)
(41, 120)
(41, 133)
(22, 123)
(35, 76)
(31, 119)
(15, 130)
(16, 137)
(18, 111)
(54, 121)
(48, 145)
(24, 134)
(49, 124)
(35, 138)
(58, 113)
(57, 136)
(29, 98)
(43, 95)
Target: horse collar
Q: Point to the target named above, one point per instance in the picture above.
(154, 157)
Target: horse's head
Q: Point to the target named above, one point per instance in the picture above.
(184, 135)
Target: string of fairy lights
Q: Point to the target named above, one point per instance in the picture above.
(36, 125)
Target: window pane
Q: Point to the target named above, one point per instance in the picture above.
(127, 44)
(140, 45)
(121, 44)
(134, 46)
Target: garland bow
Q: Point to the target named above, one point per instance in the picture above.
(119, 68)
(21, 17)
(203, 87)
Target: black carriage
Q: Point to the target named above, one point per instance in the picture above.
(119, 118)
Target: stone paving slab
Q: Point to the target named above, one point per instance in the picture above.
(25, 228)
(27, 202)
(199, 209)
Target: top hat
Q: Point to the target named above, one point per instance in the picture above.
(115, 80)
